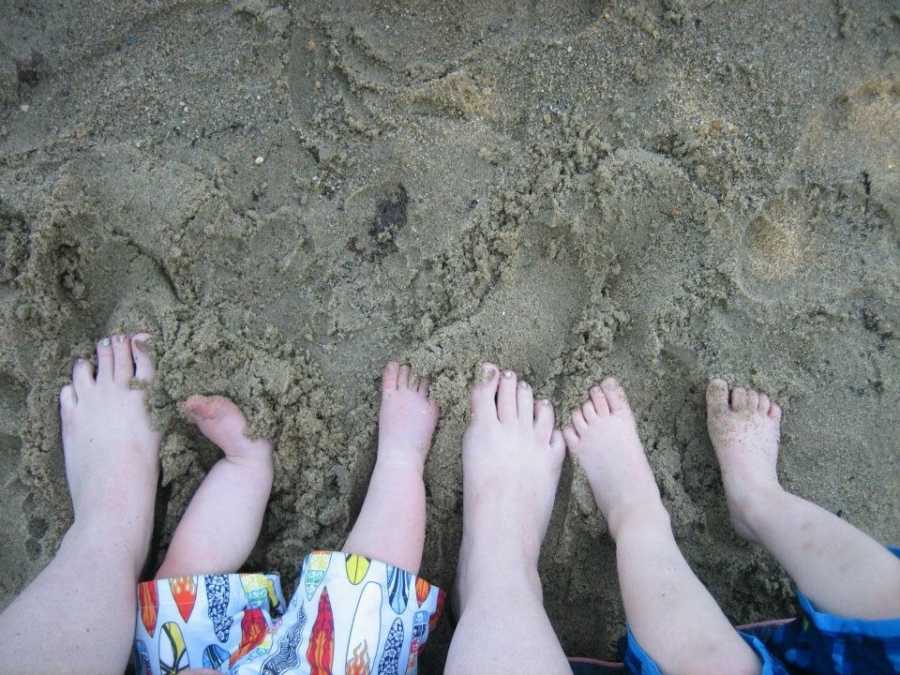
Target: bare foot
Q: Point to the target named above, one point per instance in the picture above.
(603, 438)
(407, 418)
(111, 448)
(222, 522)
(391, 524)
(512, 458)
(745, 433)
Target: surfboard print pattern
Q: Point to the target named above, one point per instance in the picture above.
(350, 615)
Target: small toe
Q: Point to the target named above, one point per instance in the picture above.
(525, 403)
(105, 363)
(615, 395)
(764, 403)
(413, 383)
(717, 396)
(571, 436)
(752, 400)
(123, 363)
(738, 398)
(543, 419)
(403, 377)
(143, 363)
(599, 400)
(82, 375)
(507, 405)
(775, 411)
(67, 399)
(390, 375)
(424, 386)
(578, 421)
(589, 411)
(484, 393)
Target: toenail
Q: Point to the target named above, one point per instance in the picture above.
(488, 372)
(545, 403)
(508, 373)
(119, 338)
(524, 385)
(105, 342)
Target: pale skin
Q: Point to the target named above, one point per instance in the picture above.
(512, 458)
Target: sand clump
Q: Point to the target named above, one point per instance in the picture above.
(570, 190)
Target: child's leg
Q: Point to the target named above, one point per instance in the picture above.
(78, 614)
(670, 612)
(222, 522)
(391, 524)
(512, 459)
(842, 570)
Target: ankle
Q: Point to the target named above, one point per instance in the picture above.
(646, 516)
(403, 462)
(756, 505)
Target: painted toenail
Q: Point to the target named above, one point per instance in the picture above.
(120, 338)
(524, 385)
(507, 373)
(488, 372)
(105, 342)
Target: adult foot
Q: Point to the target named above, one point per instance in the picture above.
(512, 458)
(407, 418)
(111, 449)
(602, 437)
(744, 428)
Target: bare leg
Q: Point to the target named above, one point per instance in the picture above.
(670, 612)
(512, 459)
(78, 614)
(222, 522)
(842, 570)
(391, 525)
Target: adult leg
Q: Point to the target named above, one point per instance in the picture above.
(512, 459)
(670, 612)
(77, 616)
(841, 569)
(391, 524)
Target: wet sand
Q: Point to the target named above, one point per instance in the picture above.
(286, 196)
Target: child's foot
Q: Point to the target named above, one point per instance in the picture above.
(222, 522)
(407, 418)
(512, 458)
(744, 432)
(603, 438)
(111, 448)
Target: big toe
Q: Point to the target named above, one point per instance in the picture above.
(484, 393)
(717, 397)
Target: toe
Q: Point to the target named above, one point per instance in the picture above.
(578, 421)
(403, 377)
(752, 400)
(717, 396)
(389, 376)
(775, 411)
(140, 351)
(424, 386)
(507, 406)
(764, 403)
(588, 410)
(543, 419)
(738, 398)
(413, 383)
(615, 395)
(571, 436)
(525, 403)
(599, 400)
(105, 365)
(558, 445)
(123, 363)
(484, 393)
(82, 375)
(67, 399)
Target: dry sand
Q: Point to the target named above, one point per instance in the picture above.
(288, 195)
